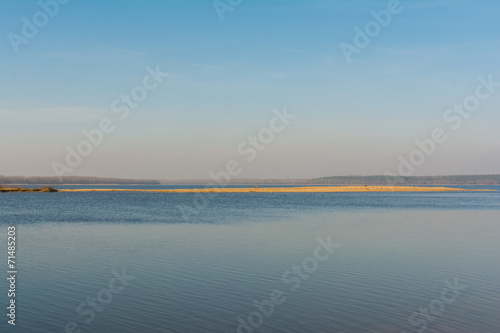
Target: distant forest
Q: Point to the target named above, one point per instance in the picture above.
(72, 180)
(424, 180)
(356, 180)
(336, 180)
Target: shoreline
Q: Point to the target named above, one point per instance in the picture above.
(304, 189)
(27, 189)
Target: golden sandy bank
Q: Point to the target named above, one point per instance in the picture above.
(305, 189)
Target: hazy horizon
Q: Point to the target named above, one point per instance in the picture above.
(249, 179)
(231, 76)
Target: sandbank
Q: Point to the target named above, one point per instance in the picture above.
(300, 189)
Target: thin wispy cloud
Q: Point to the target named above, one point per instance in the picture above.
(124, 51)
(60, 114)
(271, 75)
(205, 67)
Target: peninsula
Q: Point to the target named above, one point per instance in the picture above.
(301, 189)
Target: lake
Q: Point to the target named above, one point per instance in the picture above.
(254, 262)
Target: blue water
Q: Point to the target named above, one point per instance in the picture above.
(202, 270)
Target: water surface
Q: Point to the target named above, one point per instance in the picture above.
(202, 271)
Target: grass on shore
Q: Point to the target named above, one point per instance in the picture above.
(26, 189)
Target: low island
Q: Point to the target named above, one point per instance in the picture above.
(299, 189)
(27, 189)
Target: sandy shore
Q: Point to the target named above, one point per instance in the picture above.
(304, 189)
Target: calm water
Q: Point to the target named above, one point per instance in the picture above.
(202, 270)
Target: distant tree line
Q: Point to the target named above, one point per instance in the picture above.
(237, 181)
(354, 180)
(336, 180)
(416, 180)
(72, 180)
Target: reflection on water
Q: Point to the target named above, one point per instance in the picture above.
(202, 276)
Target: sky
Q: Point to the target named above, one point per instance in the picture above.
(322, 87)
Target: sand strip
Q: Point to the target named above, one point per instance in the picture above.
(304, 189)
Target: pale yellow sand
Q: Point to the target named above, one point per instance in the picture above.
(312, 189)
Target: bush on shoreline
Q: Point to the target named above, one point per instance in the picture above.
(26, 189)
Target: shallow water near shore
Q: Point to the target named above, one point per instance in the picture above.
(200, 271)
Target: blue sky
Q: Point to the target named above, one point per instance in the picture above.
(227, 76)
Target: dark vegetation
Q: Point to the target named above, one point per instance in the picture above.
(357, 180)
(336, 180)
(26, 189)
(422, 180)
(73, 180)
